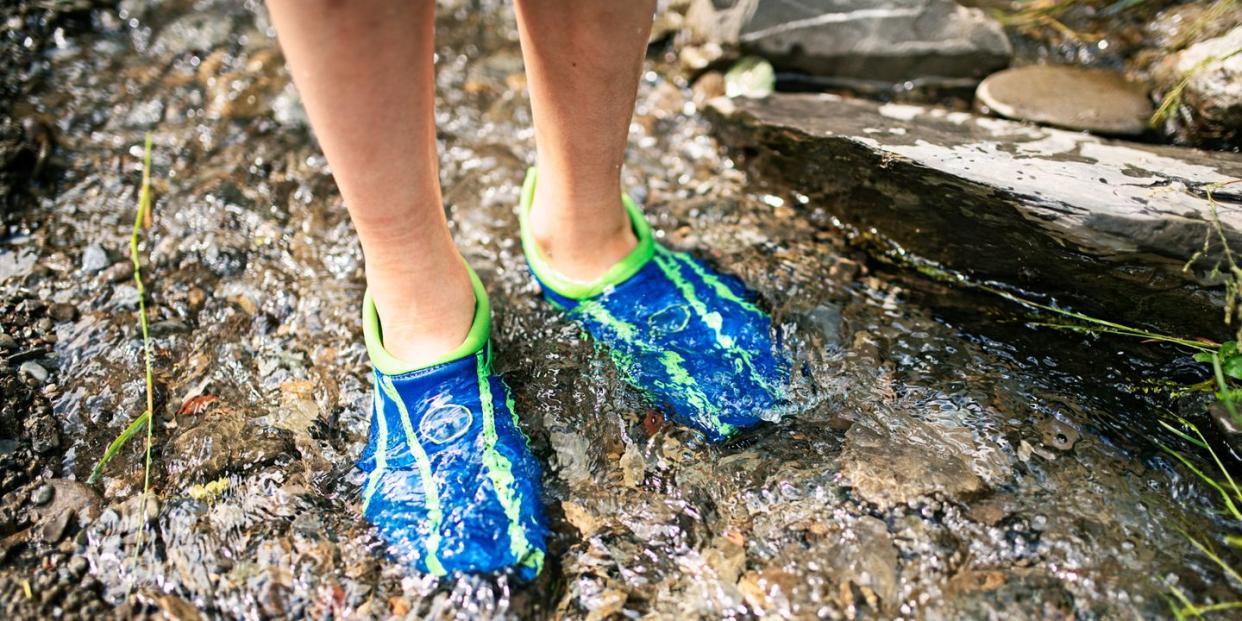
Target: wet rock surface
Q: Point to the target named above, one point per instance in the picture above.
(1107, 226)
(28, 137)
(1183, 24)
(929, 41)
(1209, 74)
(224, 441)
(888, 474)
(261, 385)
(1095, 100)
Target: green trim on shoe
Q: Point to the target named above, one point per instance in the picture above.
(389, 364)
(576, 289)
(500, 469)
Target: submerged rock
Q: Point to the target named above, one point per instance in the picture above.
(929, 41)
(224, 440)
(74, 496)
(193, 32)
(1018, 594)
(61, 504)
(864, 555)
(1095, 100)
(888, 472)
(1211, 100)
(1106, 226)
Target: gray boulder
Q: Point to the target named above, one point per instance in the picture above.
(1104, 226)
(932, 42)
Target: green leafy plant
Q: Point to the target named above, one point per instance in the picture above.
(1224, 269)
(1226, 362)
(1226, 365)
(1231, 498)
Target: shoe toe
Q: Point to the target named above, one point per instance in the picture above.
(451, 485)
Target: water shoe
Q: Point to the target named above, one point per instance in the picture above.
(451, 484)
(691, 339)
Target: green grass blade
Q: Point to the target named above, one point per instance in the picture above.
(142, 214)
(1226, 396)
(1187, 605)
(1212, 555)
(1101, 328)
(1215, 458)
(1202, 610)
(116, 445)
(1181, 434)
(1224, 494)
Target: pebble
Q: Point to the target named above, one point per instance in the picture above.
(7, 342)
(166, 327)
(54, 529)
(63, 312)
(124, 296)
(35, 370)
(120, 271)
(709, 86)
(751, 77)
(196, 296)
(844, 271)
(42, 495)
(94, 258)
(77, 565)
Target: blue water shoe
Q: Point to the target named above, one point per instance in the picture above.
(691, 339)
(451, 484)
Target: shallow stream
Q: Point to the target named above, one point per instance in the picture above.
(945, 461)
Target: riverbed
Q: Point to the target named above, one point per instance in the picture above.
(943, 461)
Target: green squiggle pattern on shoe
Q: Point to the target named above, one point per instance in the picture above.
(690, 339)
(711, 319)
(434, 514)
(671, 361)
(712, 281)
(500, 470)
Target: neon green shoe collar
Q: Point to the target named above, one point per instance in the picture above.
(389, 364)
(576, 289)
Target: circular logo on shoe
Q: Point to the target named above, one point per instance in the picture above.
(446, 423)
(670, 319)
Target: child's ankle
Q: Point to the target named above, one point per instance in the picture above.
(579, 250)
(422, 321)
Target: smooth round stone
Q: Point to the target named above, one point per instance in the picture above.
(35, 370)
(42, 494)
(1094, 100)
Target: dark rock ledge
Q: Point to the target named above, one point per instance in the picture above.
(1102, 225)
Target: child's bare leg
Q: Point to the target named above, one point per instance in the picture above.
(364, 70)
(583, 62)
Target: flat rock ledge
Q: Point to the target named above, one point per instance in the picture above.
(1103, 225)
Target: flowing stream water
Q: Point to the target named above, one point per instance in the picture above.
(944, 461)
